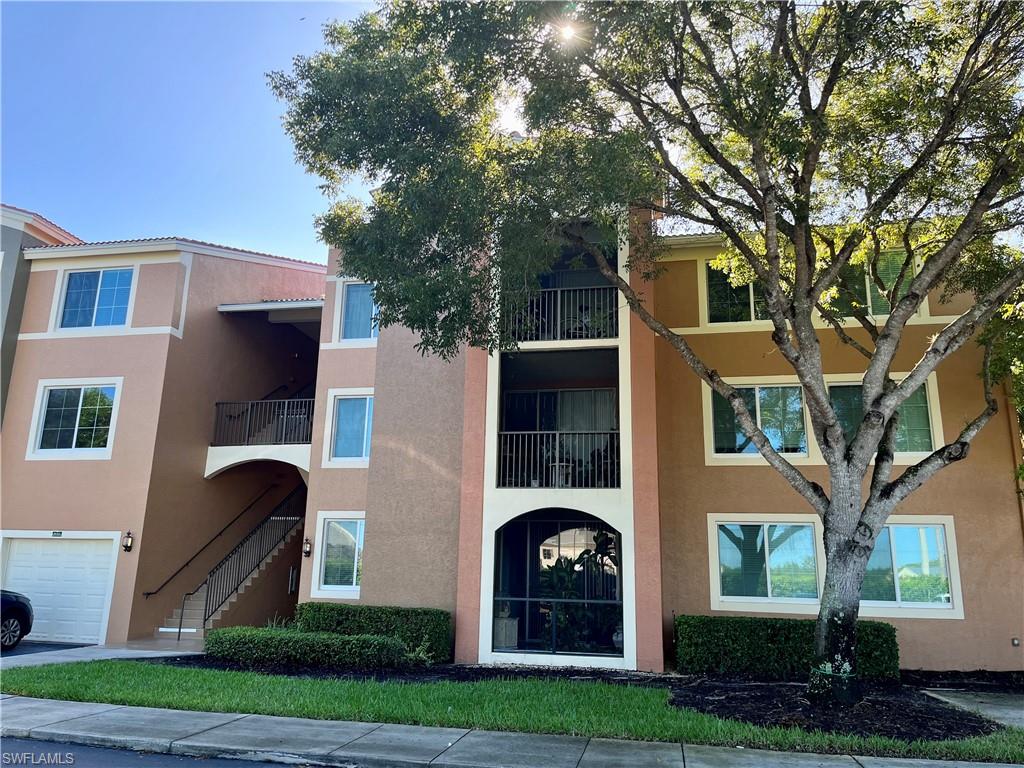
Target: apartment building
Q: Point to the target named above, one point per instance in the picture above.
(266, 444)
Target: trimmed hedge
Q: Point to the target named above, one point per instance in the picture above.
(775, 649)
(426, 628)
(256, 647)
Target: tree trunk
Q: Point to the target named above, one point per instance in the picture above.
(834, 676)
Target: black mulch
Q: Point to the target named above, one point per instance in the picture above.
(898, 711)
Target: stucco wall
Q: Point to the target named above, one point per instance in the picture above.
(220, 357)
(415, 481)
(980, 493)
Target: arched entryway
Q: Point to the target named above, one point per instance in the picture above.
(558, 585)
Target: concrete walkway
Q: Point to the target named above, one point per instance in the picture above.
(372, 745)
(135, 649)
(1005, 708)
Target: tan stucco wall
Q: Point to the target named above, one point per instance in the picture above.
(979, 492)
(219, 357)
(415, 481)
(153, 484)
(86, 495)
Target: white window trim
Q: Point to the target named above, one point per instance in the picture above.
(923, 315)
(34, 453)
(813, 457)
(328, 461)
(64, 275)
(317, 588)
(808, 607)
(337, 342)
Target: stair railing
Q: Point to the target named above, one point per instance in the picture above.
(225, 578)
(215, 536)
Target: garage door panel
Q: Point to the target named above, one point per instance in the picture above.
(67, 581)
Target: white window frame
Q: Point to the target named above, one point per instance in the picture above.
(34, 453)
(65, 278)
(337, 342)
(745, 458)
(808, 607)
(317, 587)
(706, 309)
(922, 316)
(329, 461)
(813, 457)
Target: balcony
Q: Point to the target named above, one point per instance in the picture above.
(558, 460)
(263, 422)
(261, 430)
(567, 314)
(559, 420)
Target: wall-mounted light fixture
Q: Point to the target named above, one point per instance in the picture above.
(128, 541)
(307, 548)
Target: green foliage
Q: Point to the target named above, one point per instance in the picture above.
(774, 649)
(572, 707)
(266, 646)
(427, 630)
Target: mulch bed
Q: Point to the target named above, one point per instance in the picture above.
(897, 711)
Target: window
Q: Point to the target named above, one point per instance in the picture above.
(767, 561)
(338, 560)
(913, 431)
(733, 304)
(353, 423)
(862, 290)
(74, 419)
(778, 411)
(776, 563)
(359, 312)
(909, 566)
(96, 298)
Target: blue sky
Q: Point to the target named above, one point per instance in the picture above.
(123, 120)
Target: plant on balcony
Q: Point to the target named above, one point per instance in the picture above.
(853, 158)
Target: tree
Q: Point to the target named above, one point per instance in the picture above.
(818, 139)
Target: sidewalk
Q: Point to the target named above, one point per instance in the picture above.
(372, 745)
(134, 649)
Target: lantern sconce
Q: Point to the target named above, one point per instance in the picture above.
(128, 541)
(307, 547)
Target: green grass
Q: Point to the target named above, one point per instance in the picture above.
(536, 706)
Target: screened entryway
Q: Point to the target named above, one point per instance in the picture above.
(558, 585)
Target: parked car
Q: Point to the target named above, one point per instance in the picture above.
(15, 618)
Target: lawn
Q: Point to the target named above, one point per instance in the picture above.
(537, 706)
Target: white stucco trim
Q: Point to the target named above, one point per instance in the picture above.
(316, 589)
(222, 457)
(336, 341)
(327, 461)
(614, 506)
(32, 450)
(115, 545)
(809, 607)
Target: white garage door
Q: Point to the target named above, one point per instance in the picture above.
(68, 582)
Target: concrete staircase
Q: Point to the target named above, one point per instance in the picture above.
(192, 625)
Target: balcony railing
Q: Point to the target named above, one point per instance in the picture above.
(558, 314)
(558, 460)
(264, 422)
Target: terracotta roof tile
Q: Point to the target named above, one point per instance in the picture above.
(43, 219)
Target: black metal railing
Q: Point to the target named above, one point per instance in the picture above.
(556, 625)
(558, 460)
(264, 422)
(230, 573)
(557, 314)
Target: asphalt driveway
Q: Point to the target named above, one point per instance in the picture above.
(26, 647)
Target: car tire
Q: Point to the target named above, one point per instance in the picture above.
(12, 629)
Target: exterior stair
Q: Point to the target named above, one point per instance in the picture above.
(204, 607)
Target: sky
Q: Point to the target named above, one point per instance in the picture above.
(122, 120)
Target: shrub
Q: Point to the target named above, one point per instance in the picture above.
(256, 647)
(428, 630)
(775, 649)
